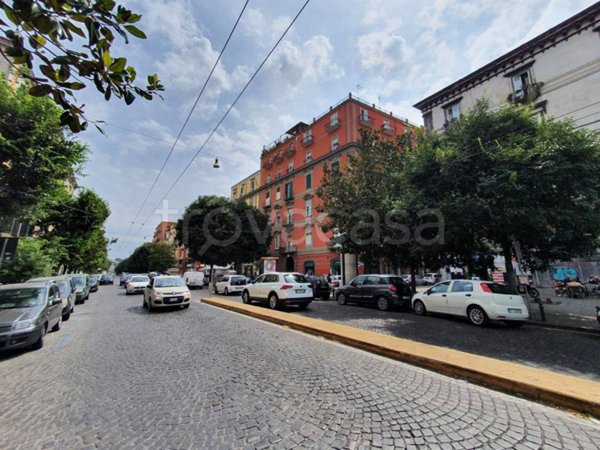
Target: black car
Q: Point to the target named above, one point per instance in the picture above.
(384, 291)
(106, 279)
(320, 287)
(124, 278)
(94, 281)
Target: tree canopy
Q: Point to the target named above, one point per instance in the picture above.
(220, 231)
(37, 154)
(30, 262)
(66, 44)
(149, 257)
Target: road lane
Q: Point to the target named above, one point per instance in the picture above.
(207, 378)
(569, 352)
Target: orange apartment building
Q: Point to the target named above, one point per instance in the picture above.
(291, 170)
(164, 232)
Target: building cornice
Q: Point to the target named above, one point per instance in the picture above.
(588, 18)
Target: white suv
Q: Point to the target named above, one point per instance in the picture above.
(279, 289)
(479, 301)
(231, 284)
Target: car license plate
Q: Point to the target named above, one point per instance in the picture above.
(171, 300)
(300, 291)
(514, 310)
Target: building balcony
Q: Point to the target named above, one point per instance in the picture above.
(333, 125)
(289, 198)
(291, 248)
(278, 157)
(268, 164)
(307, 140)
(388, 129)
(365, 121)
(267, 203)
(291, 150)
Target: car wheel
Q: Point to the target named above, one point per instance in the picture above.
(226, 291)
(72, 309)
(383, 304)
(303, 306)
(66, 316)
(341, 299)
(477, 316)
(513, 323)
(246, 297)
(40, 342)
(57, 326)
(216, 291)
(325, 297)
(273, 301)
(419, 308)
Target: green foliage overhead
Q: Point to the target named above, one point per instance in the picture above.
(68, 45)
(219, 231)
(30, 262)
(36, 153)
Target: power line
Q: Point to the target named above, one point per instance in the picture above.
(185, 123)
(229, 109)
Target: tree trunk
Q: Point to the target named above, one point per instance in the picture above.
(413, 280)
(507, 252)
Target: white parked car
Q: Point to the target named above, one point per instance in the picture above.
(194, 279)
(231, 284)
(165, 291)
(479, 301)
(137, 284)
(431, 278)
(279, 289)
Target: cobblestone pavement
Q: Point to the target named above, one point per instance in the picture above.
(569, 352)
(119, 377)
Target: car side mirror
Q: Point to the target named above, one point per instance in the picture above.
(56, 300)
(353, 284)
(428, 292)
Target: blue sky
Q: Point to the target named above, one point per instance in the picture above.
(391, 52)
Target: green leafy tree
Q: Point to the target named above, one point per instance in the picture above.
(31, 261)
(76, 227)
(504, 180)
(37, 155)
(67, 44)
(149, 257)
(218, 231)
(368, 204)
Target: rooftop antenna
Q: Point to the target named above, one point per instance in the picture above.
(379, 102)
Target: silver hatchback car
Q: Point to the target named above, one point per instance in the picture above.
(27, 312)
(67, 292)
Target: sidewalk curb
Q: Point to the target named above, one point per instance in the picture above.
(537, 323)
(549, 387)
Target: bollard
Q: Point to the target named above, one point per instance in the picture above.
(542, 312)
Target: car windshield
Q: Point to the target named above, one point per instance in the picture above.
(295, 278)
(93, 279)
(140, 280)
(64, 287)
(22, 298)
(169, 282)
(80, 281)
(498, 288)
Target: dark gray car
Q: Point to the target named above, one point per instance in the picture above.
(67, 292)
(27, 312)
(82, 287)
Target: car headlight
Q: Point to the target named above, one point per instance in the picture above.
(25, 324)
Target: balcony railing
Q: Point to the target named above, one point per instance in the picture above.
(333, 125)
(278, 157)
(291, 248)
(291, 150)
(528, 94)
(268, 164)
(388, 129)
(307, 140)
(365, 120)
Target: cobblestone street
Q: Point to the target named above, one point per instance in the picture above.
(117, 376)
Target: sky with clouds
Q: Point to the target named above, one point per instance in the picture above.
(389, 52)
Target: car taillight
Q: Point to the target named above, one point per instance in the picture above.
(392, 288)
(286, 286)
(486, 288)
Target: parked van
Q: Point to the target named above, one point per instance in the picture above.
(194, 279)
